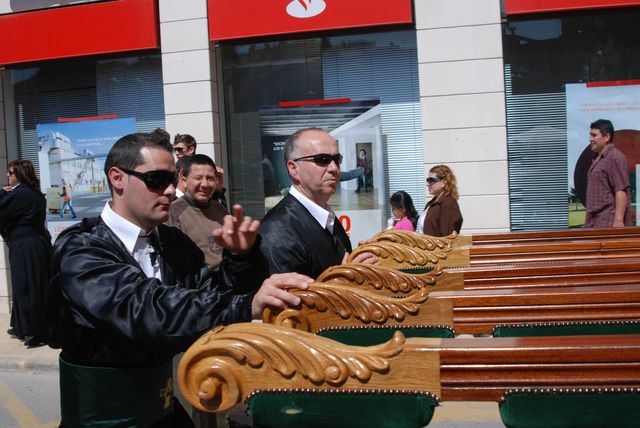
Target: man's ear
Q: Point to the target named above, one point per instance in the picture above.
(116, 178)
(292, 168)
(181, 176)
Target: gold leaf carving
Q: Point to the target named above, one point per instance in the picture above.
(378, 277)
(215, 368)
(401, 254)
(417, 240)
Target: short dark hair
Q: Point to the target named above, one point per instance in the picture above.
(126, 152)
(605, 127)
(291, 144)
(187, 139)
(25, 173)
(195, 160)
(161, 134)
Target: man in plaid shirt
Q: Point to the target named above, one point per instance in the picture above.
(608, 188)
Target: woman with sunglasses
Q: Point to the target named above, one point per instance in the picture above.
(441, 215)
(22, 216)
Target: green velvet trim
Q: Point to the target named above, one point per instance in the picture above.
(417, 270)
(544, 409)
(346, 409)
(369, 336)
(567, 329)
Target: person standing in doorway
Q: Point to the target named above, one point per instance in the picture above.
(362, 162)
(608, 187)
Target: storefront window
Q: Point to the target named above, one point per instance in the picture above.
(372, 80)
(127, 90)
(564, 71)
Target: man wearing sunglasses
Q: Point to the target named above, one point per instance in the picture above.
(128, 293)
(302, 234)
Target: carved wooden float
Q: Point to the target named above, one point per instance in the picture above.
(387, 280)
(403, 256)
(456, 240)
(325, 306)
(228, 364)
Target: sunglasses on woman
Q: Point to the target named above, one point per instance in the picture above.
(433, 180)
(154, 180)
(322, 159)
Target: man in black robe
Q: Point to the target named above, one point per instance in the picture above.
(128, 293)
(301, 233)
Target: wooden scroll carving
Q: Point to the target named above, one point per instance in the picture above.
(400, 256)
(329, 305)
(228, 363)
(376, 277)
(416, 240)
(472, 312)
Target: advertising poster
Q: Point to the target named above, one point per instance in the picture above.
(356, 125)
(587, 103)
(71, 157)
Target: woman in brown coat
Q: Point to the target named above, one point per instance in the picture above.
(441, 215)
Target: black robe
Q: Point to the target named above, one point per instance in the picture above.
(292, 240)
(22, 217)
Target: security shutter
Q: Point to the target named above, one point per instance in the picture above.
(128, 87)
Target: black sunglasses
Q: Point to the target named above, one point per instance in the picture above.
(433, 180)
(179, 149)
(322, 159)
(154, 180)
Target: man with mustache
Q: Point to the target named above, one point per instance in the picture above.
(128, 293)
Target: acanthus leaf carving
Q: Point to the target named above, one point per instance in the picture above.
(417, 240)
(378, 277)
(400, 253)
(214, 369)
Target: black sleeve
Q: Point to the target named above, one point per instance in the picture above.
(116, 298)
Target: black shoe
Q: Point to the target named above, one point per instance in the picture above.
(12, 332)
(35, 342)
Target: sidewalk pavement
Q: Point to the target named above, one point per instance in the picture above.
(14, 355)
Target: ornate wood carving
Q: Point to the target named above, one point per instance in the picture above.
(376, 277)
(416, 240)
(325, 305)
(472, 312)
(400, 256)
(229, 363)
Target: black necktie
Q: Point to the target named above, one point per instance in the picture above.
(153, 240)
(337, 242)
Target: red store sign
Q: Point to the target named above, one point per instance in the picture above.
(233, 19)
(519, 7)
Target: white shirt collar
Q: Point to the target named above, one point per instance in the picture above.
(126, 231)
(320, 214)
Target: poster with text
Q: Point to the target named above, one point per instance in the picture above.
(71, 157)
(587, 103)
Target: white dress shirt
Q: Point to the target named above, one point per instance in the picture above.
(133, 239)
(326, 218)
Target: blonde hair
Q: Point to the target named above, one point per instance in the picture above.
(445, 174)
